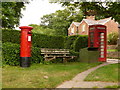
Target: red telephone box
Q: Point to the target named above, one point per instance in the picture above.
(97, 39)
(25, 46)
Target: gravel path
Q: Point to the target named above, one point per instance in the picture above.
(78, 80)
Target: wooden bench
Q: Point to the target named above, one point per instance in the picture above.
(50, 54)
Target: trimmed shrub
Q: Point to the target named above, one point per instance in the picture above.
(11, 54)
(38, 40)
(12, 36)
(45, 41)
(70, 40)
(36, 55)
(112, 38)
(73, 53)
(88, 56)
(80, 42)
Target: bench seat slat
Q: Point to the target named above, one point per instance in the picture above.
(55, 53)
(50, 54)
(61, 56)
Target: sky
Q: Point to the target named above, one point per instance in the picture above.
(35, 10)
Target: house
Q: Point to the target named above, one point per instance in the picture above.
(81, 28)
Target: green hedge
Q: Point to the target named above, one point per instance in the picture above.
(38, 40)
(11, 54)
(12, 36)
(76, 42)
(80, 42)
(45, 41)
(88, 56)
(70, 40)
(73, 53)
(112, 38)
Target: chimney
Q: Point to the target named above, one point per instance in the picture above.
(90, 17)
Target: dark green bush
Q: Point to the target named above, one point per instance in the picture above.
(80, 42)
(11, 56)
(45, 41)
(88, 56)
(12, 36)
(70, 40)
(38, 40)
(112, 39)
(73, 53)
(36, 55)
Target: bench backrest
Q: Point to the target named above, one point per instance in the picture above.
(54, 51)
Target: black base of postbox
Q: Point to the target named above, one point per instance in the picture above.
(25, 61)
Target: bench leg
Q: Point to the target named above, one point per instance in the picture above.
(64, 60)
(49, 59)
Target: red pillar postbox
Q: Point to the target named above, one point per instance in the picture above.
(97, 39)
(25, 46)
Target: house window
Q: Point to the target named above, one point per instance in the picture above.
(83, 28)
(72, 30)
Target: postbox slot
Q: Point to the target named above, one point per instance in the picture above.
(29, 32)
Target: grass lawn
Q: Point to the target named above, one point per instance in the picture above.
(105, 73)
(114, 86)
(112, 50)
(41, 76)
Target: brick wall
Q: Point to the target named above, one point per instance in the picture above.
(111, 27)
(80, 31)
(75, 30)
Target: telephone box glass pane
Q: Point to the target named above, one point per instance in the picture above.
(91, 39)
(102, 43)
(102, 56)
(102, 49)
(102, 33)
(102, 52)
(102, 46)
(102, 39)
(102, 36)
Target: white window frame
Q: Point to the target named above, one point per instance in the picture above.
(72, 30)
(83, 27)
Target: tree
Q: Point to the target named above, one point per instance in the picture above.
(113, 39)
(61, 20)
(11, 13)
(42, 30)
(101, 9)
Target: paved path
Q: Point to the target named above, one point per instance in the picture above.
(113, 60)
(78, 80)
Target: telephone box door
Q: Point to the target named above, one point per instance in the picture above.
(102, 46)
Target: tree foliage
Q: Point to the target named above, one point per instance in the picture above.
(40, 29)
(11, 13)
(101, 9)
(61, 20)
(113, 38)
